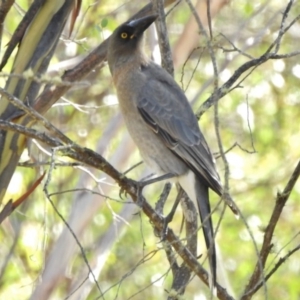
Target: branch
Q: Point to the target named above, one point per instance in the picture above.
(131, 187)
(281, 200)
(276, 267)
(10, 206)
(35, 115)
(279, 263)
(183, 273)
(52, 93)
(163, 38)
(254, 63)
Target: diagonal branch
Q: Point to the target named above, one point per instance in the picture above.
(254, 63)
(11, 146)
(52, 93)
(131, 187)
(281, 200)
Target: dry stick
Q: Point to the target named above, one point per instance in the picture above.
(183, 275)
(27, 164)
(10, 206)
(279, 263)
(281, 200)
(220, 92)
(265, 250)
(45, 189)
(163, 38)
(89, 191)
(159, 205)
(146, 258)
(257, 37)
(226, 195)
(95, 160)
(279, 251)
(209, 19)
(254, 63)
(159, 208)
(31, 133)
(35, 116)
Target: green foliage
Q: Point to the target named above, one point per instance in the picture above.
(104, 23)
(261, 115)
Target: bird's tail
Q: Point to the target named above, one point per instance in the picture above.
(198, 192)
(204, 211)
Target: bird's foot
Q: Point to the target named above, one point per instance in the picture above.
(122, 192)
(138, 189)
(141, 184)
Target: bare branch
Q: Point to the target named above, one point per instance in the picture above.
(163, 38)
(95, 160)
(254, 63)
(281, 200)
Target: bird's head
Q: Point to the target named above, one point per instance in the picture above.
(125, 42)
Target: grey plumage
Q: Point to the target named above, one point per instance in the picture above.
(161, 122)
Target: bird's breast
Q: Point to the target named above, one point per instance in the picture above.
(153, 151)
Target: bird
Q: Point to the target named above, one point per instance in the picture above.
(162, 124)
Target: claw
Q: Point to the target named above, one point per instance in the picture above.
(139, 186)
(122, 191)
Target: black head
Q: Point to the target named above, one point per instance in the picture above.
(133, 30)
(125, 40)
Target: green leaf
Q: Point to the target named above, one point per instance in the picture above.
(104, 23)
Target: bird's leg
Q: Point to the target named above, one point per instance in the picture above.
(157, 179)
(170, 215)
(142, 184)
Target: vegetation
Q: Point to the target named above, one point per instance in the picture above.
(74, 237)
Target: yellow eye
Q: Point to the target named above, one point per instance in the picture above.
(124, 35)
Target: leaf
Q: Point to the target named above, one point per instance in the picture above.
(11, 206)
(104, 22)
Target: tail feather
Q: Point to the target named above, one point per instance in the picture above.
(198, 192)
(207, 226)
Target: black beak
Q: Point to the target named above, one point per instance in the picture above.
(140, 25)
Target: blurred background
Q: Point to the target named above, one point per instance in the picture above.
(259, 122)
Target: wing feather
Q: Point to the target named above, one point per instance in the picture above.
(168, 113)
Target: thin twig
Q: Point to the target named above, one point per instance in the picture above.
(281, 200)
(95, 160)
(45, 189)
(163, 38)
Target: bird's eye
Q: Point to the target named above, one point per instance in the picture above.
(124, 35)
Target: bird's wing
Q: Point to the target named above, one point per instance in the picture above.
(164, 107)
(166, 110)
